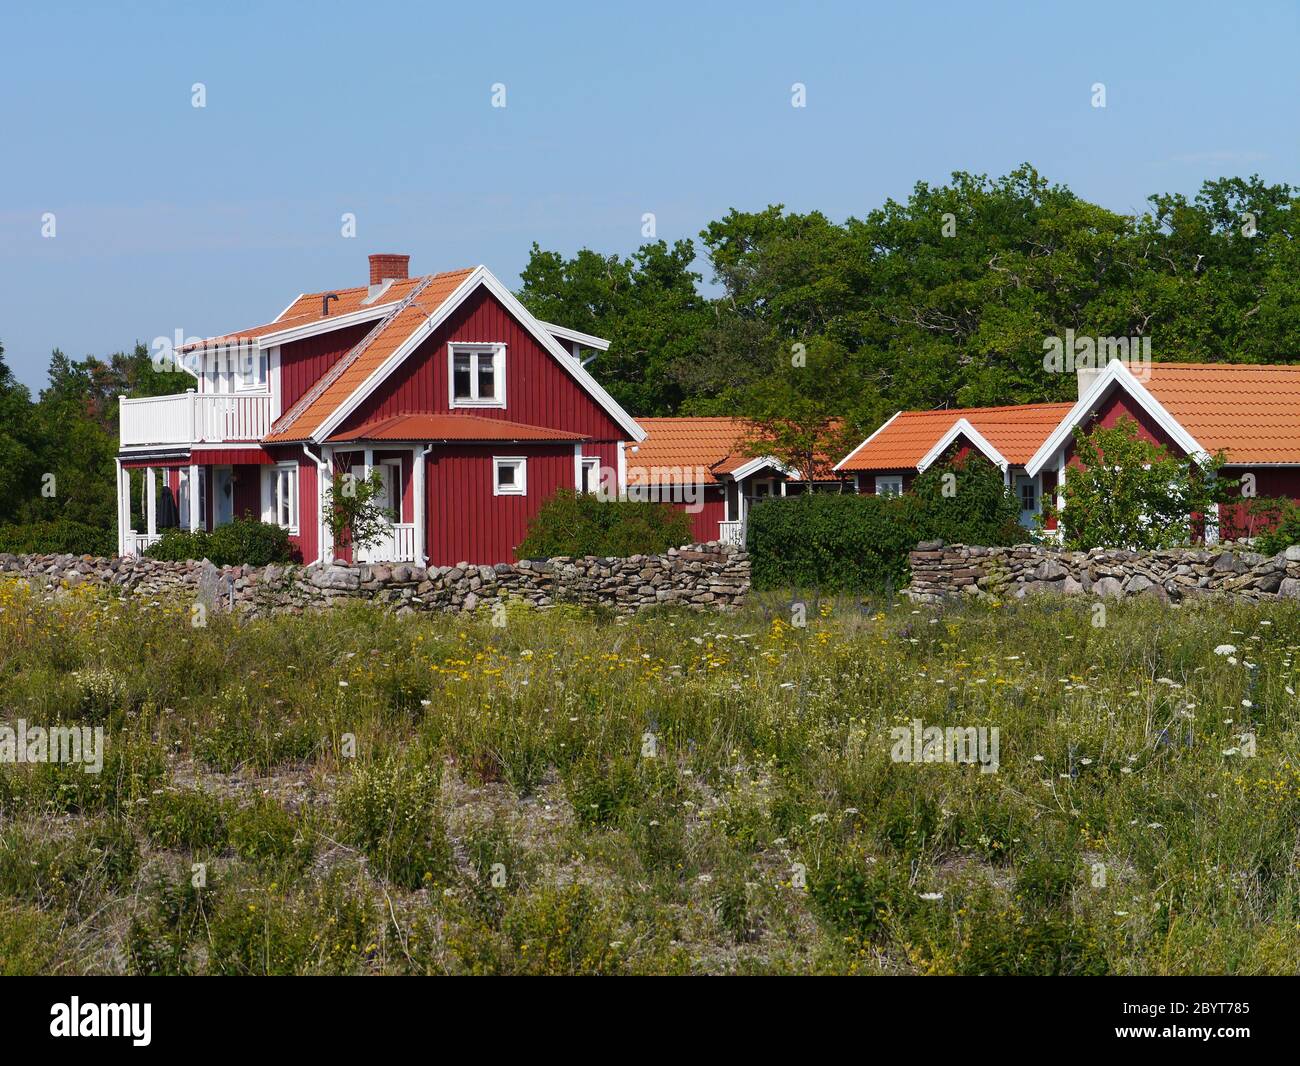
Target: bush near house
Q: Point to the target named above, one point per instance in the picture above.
(243, 542)
(577, 524)
(861, 543)
(62, 536)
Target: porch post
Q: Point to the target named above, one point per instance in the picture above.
(325, 476)
(194, 497)
(417, 502)
(1060, 498)
(150, 502)
(123, 506)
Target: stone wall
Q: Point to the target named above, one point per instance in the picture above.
(941, 572)
(699, 576)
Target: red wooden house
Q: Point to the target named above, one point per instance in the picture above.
(1247, 412)
(473, 411)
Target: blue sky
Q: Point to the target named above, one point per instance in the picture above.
(172, 217)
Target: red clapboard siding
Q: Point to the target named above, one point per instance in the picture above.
(308, 538)
(302, 363)
(539, 392)
(704, 523)
(248, 491)
(464, 521)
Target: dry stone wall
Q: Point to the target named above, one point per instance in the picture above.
(698, 576)
(941, 572)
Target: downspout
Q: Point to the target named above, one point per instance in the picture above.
(320, 505)
(422, 557)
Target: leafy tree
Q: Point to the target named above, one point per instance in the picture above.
(352, 514)
(1131, 493)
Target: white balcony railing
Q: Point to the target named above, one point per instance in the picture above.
(195, 418)
(732, 533)
(139, 543)
(397, 547)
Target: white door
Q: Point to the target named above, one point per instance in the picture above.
(1030, 503)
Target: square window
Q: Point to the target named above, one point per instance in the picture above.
(891, 485)
(477, 375)
(509, 476)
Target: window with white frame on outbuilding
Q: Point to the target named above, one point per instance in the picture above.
(509, 476)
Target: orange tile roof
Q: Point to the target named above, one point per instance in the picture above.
(422, 300)
(306, 309)
(1250, 412)
(1016, 432)
(676, 450)
(424, 427)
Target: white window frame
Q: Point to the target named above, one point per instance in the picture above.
(272, 499)
(498, 353)
(889, 484)
(260, 365)
(592, 461)
(520, 463)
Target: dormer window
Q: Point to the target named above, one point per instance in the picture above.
(477, 375)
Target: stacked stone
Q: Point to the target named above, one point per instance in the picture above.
(711, 576)
(941, 572)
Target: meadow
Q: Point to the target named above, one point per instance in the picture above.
(578, 793)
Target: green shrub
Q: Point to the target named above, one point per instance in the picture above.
(264, 831)
(389, 810)
(243, 542)
(62, 537)
(836, 542)
(577, 524)
(1284, 532)
(189, 819)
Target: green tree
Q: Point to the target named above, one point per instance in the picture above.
(1131, 493)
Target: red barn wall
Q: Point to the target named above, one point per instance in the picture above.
(303, 362)
(465, 522)
(539, 392)
(704, 522)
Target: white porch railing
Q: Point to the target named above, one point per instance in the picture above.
(139, 543)
(397, 547)
(194, 418)
(732, 533)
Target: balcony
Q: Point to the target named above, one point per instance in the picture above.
(194, 418)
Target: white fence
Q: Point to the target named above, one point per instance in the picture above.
(192, 418)
(732, 533)
(397, 547)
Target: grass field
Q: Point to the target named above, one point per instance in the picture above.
(675, 793)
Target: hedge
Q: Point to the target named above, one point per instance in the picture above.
(852, 543)
(60, 537)
(578, 524)
(245, 541)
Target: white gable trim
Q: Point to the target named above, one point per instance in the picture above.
(867, 441)
(573, 336)
(480, 275)
(286, 310)
(757, 464)
(1116, 373)
(324, 325)
(963, 428)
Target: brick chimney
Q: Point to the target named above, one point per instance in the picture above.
(387, 267)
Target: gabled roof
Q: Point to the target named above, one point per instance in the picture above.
(404, 313)
(676, 448)
(328, 395)
(1251, 413)
(426, 427)
(907, 440)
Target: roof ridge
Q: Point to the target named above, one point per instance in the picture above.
(285, 421)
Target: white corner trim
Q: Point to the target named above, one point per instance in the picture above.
(963, 428)
(1116, 373)
(573, 336)
(881, 429)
